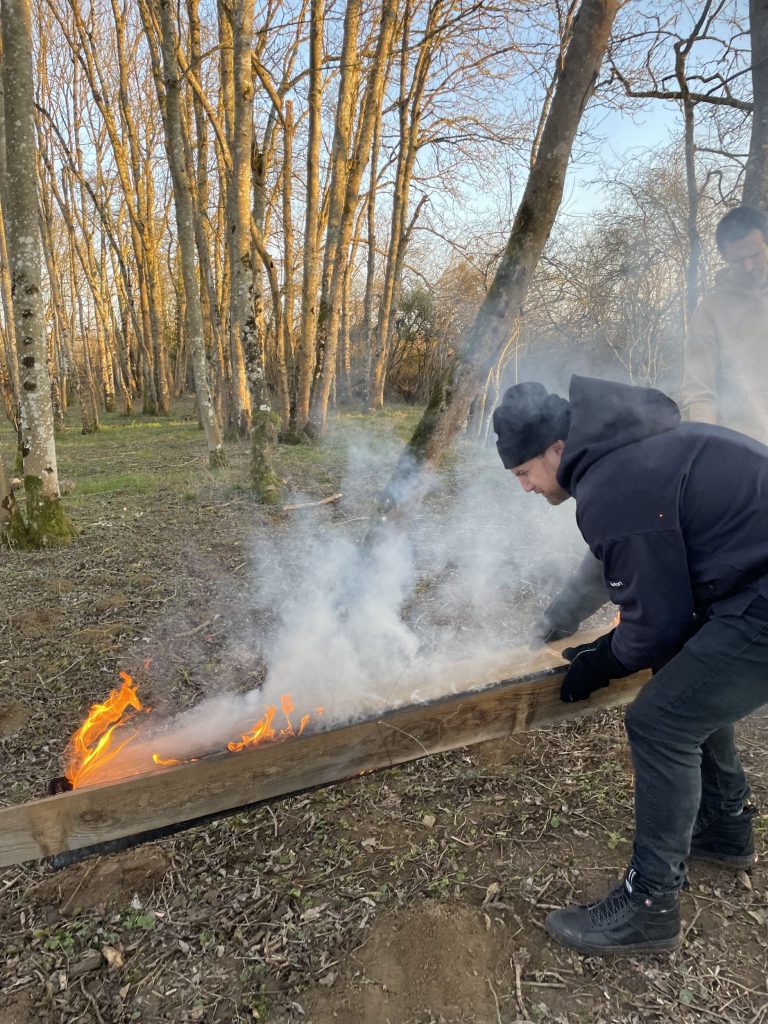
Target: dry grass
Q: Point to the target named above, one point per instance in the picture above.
(329, 906)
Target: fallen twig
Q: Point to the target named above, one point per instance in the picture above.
(312, 504)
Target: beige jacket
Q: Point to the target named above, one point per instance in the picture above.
(725, 378)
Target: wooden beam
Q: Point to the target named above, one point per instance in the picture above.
(504, 695)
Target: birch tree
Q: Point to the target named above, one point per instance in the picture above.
(243, 321)
(47, 523)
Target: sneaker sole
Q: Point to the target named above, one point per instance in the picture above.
(735, 863)
(662, 946)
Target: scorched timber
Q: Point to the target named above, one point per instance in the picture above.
(502, 696)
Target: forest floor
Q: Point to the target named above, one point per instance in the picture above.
(414, 895)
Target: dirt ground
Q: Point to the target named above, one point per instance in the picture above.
(410, 896)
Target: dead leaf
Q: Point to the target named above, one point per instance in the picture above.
(115, 959)
(491, 892)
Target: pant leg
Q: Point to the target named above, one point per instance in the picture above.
(724, 786)
(718, 677)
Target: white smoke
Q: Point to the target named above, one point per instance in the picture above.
(358, 631)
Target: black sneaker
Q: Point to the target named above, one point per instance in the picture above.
(728, 840)
(625, 921)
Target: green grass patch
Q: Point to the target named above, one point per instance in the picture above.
(125, 483)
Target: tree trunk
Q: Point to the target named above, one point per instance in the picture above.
(339, 171)
(311, 279)
(288, 355)
(496, 319)
(756, 175)
(264, 422)
(374, 92)
(11, 387)
(185, 225)
(47, 522)
(368, 330)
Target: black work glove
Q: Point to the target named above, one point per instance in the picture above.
(592, 667)
(579, 598)
(547, 630)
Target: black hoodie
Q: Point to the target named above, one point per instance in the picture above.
(676, 512)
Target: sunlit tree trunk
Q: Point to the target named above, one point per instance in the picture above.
(410, 114)
(311, 278)
(289, 294)
(374, 92)
(368, 329)
(193, 316)
(264, 422)
(341, 150)
(238, 222)
(10, 384)
(47, 523)
(495, 322)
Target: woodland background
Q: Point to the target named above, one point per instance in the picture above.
(329, 235)
(301, 206)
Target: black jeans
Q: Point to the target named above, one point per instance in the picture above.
(680, 730)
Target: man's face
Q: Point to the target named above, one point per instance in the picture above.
(539, 475)
(748, 259)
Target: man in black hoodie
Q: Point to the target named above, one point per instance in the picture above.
(677, 513)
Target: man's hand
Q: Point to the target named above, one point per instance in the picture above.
(547, 631)
(592, 667)
(581, 596)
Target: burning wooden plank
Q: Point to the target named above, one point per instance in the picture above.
(502, 695)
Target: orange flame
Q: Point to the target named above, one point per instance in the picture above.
(263, 730)
(171, 761)
(93, 744)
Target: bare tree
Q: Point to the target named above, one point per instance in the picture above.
(47, 523)
(339, 245)
(177, 145)
(496, 319)
(756, 175)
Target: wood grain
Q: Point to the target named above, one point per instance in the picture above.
(525, 696)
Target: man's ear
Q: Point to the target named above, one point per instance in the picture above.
(557, 447)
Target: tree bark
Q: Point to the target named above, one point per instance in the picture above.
(374, 92)
(47, 522)
(495, 321)
(264, 423)
(185, 225)
(410, 113)
(11, 387)
(285, 347)
(756, 175)
(311, 278)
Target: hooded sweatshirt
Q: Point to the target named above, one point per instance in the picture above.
(676, 512)
(725, 376)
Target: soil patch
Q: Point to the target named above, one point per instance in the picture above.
(13, 718)
(437, 957)
(104, 881)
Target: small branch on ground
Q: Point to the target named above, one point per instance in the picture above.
(313, 504)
